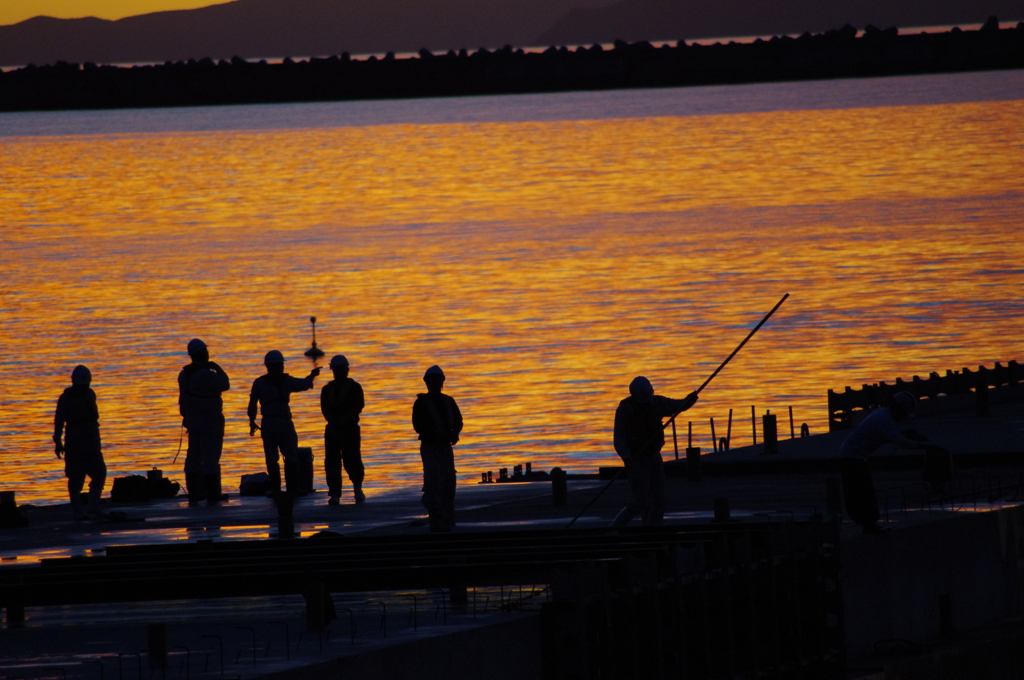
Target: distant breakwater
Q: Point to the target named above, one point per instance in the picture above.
(838, 53)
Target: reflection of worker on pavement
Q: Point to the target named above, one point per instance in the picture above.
(639, 437)
(438, 421)
(341, 401)
(200, 385)
(272, 392)
(77, 423)
(878, 428)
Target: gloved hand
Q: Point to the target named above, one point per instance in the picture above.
(315, 372)
(58, 447)
(690, 400)
(252, 428)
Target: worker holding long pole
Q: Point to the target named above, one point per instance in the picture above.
(639, 437)
(645, 490)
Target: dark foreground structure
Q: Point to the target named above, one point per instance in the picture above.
(834, 54)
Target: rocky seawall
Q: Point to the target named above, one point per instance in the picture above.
(843, 53)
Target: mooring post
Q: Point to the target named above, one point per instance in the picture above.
(285, 518)
(771, 433)
(693, 463)
(559, 486)
(721, 509)
(156, 643)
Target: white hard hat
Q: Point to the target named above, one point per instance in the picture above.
(338, 361)
(273, 357)
(434, 370)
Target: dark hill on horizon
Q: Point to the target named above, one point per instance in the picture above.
(633, 20)
(277, 28)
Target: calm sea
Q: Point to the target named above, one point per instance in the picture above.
(542, 249)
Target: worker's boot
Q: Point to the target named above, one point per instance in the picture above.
(274, 472)
(194, 484)
(214, 494)
(357, 491)
(291, 479)
(95, 491)
(76, 502)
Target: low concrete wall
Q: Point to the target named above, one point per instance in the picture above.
(510, 650)
(895, 584)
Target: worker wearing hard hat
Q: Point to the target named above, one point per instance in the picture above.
(76, 437)
(272, 393)
(639, 437)
(200, 385)
(438, 422)
(341, 402)
(878, 428)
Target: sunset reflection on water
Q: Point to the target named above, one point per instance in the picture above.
(542, 265)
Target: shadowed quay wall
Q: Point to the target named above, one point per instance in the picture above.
(924, 581)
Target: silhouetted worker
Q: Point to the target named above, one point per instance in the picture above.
(200, 385)
(438, 421)
(77, 421)
(878, 428)
(341, 402)
(639, 437)
(272, 392)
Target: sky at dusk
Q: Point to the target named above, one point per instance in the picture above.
(13, 11)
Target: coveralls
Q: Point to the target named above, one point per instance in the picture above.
(341, 402)
(78, 420)
(200, 403)
(277, 430)
(878, 428)
(639, 438)
(438, 421)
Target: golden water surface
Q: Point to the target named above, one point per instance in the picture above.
(542, 265)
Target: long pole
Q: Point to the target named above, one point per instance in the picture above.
(673, 418)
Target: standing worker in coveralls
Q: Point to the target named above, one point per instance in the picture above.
(639, 437)
(341, 402)
(272, 393)
(438, 421)
(200, 385)
(76, 436)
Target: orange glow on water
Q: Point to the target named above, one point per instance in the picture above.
(543, 265)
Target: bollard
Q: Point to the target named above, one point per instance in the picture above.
(981, 395)
(805, 431)
(769, 427)
(721, 509)
(693, 463)
(559, 486)
(156, 642)
(723, 444)
(285, 519)
(313, 593)
(833, 496)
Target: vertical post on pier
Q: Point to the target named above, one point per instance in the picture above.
(156, 644)
(559, 486)
(981, 406)
(753, 423)
(771, 433)
(792, 428)
(693, 463)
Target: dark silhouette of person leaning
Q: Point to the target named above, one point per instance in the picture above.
(438, 422)
(76, 437)
(272, 392)
(878, 428)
